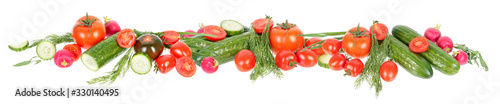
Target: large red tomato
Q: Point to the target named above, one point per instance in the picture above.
(88, 31)
(285, 36)
(357, 42)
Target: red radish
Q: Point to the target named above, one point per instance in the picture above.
(445, 43)
(209, 65)
(202, 29)
(112, 26)
(64, 58)
(188, 35)
(170, 37)
(433, 34)
(461, 57)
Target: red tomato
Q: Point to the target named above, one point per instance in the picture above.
(331, 46)
(126, 38)
(388, 71)
(185, 66)
(165, 63)
(357, 42)
(88, 31)
(260, 24)
(75, 49)
(419, 44)
(317, 51)
(306, 58)
(180, 49)
(286, 37)
(354, 67)
(286, 60)
(337, 62)
(170, 37)
(379, 29)
(244, 60)
(215, 30)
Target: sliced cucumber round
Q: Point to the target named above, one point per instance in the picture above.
(89, 62)
(323, 60)
(46, 50)
(232, 27)
(140, 63)
(18, 47)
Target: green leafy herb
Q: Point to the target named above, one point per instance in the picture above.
(120, 69)
(473, 55)
(28, 62)
(261, 48)
(371, 72)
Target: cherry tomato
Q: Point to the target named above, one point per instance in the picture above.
(170, 37)
(286, 60)
(215, 30)
(388, 71)
(75, 49)
(317, 51)
(354, 67)
(331, 46)
(260, 24)
(357, 42)
(180, 49)
(149, 44)
(379, 30)
(185, 66)
(286, 37)
(88, 31)
(244, 60)
(165, 63)
(419, 44)
(337, 62)
(126, 38)
(306, 58)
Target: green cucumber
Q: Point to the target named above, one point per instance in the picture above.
(46, 50)
(18, 47)
(232, 27)
(225, 50)
(323, 60)
(102, 53)
(439, 59)
(411, 62)
(140, 63)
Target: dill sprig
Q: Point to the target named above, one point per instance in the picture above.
(261, 48)
(371, 72)
(120, 69)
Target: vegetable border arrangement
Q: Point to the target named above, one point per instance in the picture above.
(263, 48)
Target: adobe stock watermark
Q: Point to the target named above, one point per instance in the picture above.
(385, 15)
(140, 93)
(30, 27)
(483, 91)
(223, 6)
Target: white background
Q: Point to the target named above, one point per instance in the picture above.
(474, 23)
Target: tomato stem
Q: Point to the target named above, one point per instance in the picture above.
(375, 22)
(286, 25)
(87, 22)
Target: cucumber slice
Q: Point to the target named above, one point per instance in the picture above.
(46, 50)
(232, 27)
(323, 60)
(18, 47)
(140, 63)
